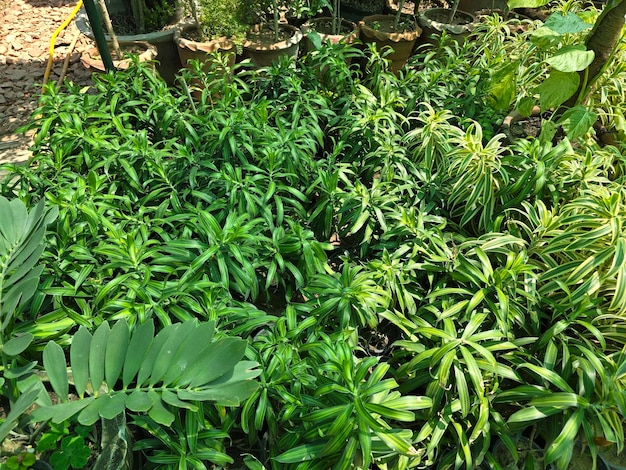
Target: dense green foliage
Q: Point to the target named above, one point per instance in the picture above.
(410, 285)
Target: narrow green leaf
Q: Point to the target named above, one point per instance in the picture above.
(564, 442)
(301, 453)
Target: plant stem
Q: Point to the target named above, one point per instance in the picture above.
(396, 21)
(196, 17)
(455, 7)
(276, 18)
(109, 27)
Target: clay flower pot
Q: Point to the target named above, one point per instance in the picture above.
(323, 26)
(92, 61)
(262, 49)
(378, 29)
(436, 20)
(189, 49)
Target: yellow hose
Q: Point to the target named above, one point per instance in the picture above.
(67, 21)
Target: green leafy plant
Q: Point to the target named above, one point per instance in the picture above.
(21, 462)
(181, 359)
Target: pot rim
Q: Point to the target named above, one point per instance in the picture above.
(294, 39)
(370, 32)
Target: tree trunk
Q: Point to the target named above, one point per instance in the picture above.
(602, 40)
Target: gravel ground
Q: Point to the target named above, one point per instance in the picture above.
(26, 27)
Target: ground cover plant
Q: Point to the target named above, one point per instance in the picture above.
(313, 267)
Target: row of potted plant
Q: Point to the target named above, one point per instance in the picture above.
(224, 26)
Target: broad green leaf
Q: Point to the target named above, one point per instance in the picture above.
(569, 23)
(18, 372)
(145, 369)
(557, 88)
(169, 350)
(577, 121)
(545, 38)
(97, 354)
(525, 106)
(227, 395)
(17, 344)
(56, 367)
(111, 405)
(139, 401)
(158, 412)
(79, 360)
(138, 347)
(502, 88)
(171, 399)
(187, 354)
(116, 348)
(214, 361)
(571, 58)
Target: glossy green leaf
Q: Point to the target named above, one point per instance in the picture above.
(577, 121)
(568, 23)
(190, 349)
(301, 453)
(557, 88)
(571, 58)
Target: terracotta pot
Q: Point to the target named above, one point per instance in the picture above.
(169, 63)
(263, 53)
(92, 61)
(434, 21)
(351, 32)
(401, 43)
(190, 50)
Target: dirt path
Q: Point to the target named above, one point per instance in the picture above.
(26, 27)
